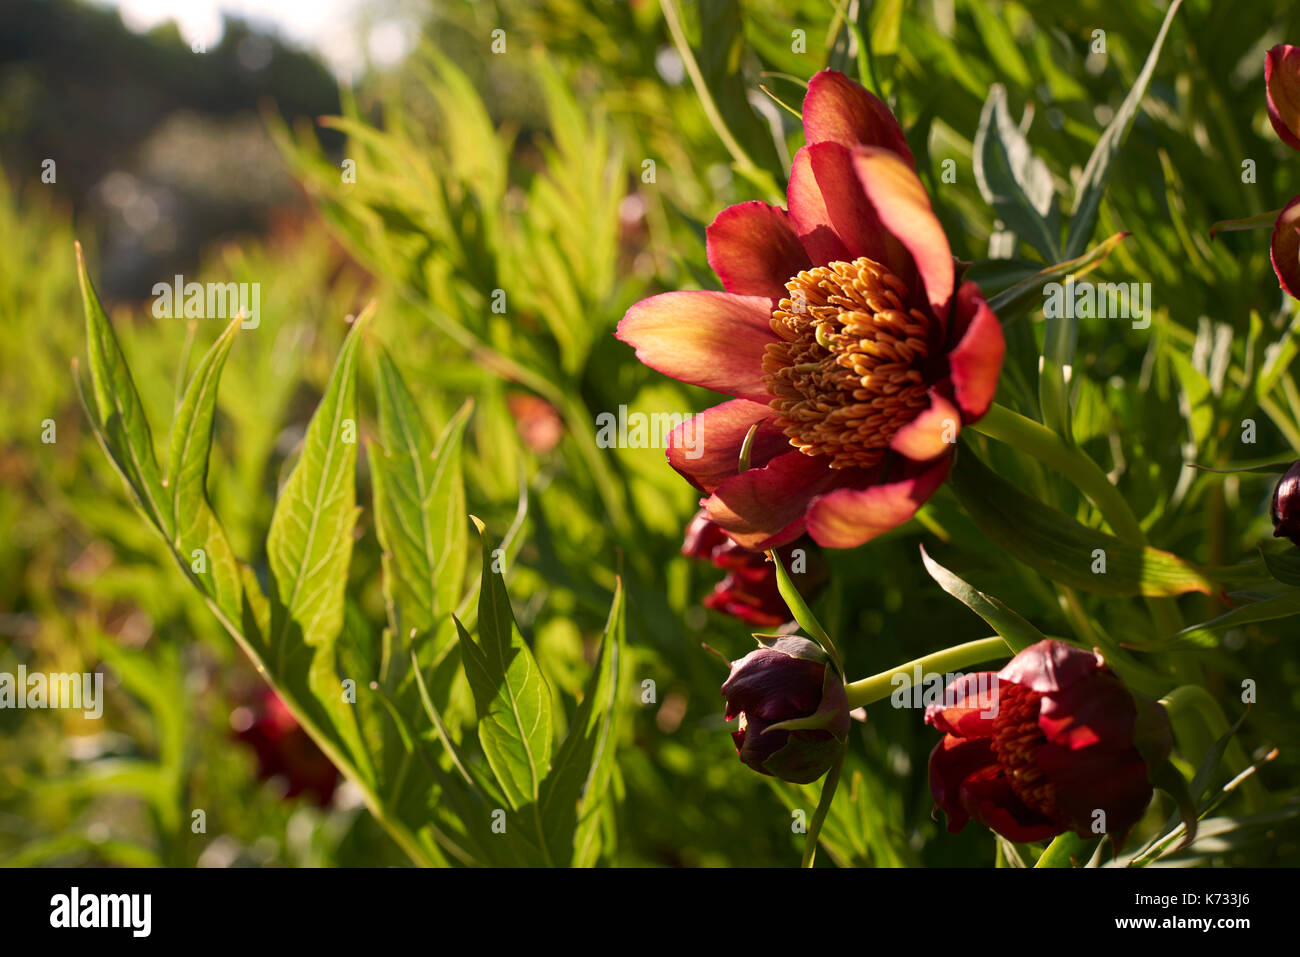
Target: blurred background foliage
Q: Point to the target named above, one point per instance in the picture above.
(576, 172)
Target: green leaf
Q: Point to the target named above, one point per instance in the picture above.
(1067, 850)
(511, 695)
(1060, 548)
(195, 524)
(1015, 182)
(575, 789)
(802, 613)
(309, 548)
(1027, 294)
(1014, 630)
(1284, 566)
(419, 498)
(1092, 185)
(127, 437)
(1207, 633)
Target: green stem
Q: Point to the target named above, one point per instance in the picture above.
(823, 808)
(878, 687)
(1070, 461)
(1075, 465)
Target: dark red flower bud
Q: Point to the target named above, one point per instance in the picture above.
(1044, 745)
(784, 681)
(284, 750)
(749, 591)
(1286, 506)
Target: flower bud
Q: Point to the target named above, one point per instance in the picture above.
(782, 682)
(1286, 506)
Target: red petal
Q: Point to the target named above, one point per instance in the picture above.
(754, 250)
(841, 111)
(848, 517)
(1094, 780)
(931, 434)
(765, 507)
(988, 798)
(1094, 711)
(1286, 248)
(706, 449)
(1282, 83)
(969, 706)
(1051, 666)
(831, 214)
(904, 210)
(975, 363)
(952, 761)
(710, 339)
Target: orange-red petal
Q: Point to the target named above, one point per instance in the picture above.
(710, 339)
(705, 449)
(975, 362)
(931, 434)
(848, 517)
(766, 507)
(837, 110)
(1285, 251)
(754, 250)
(1282, 83)
(901, 202)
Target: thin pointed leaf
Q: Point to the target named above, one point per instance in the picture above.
(1016, 631)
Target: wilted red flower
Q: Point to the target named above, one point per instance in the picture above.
(779, 682)
(1042, 745)
(749, 591)
(284, 749)
(1285, 510)
(840, 335)
(1282, 86)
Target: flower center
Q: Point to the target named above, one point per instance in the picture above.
(1016, 740)
(846, 373)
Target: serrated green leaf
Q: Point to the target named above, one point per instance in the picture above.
(511, 695)
(195, 524)
(121, 417)
(419, 500)
(578, 782)
(1060, 548)
(1014, 630)
(309, 548)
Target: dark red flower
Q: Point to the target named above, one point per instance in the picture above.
(782, 681)
(749, 591)
(1282, 91)
(1286, 506)
(284, 750)
(841, 335)
(1040, 747)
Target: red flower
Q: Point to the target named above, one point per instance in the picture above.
(1282, 85)
(284, 750)
(1042, 745)
(840, 335)
(749, 591)
(786, 680)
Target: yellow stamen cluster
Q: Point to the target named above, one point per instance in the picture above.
(1016, 740)
(846, 373)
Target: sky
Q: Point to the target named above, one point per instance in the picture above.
(327, 27)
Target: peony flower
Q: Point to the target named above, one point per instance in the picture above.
(749, 591)
(1041, 746)
(284, 750)
(1285, 509)
(784, 681)
(1282, 85)
(840, 335)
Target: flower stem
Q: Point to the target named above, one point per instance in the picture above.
(878, 687)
